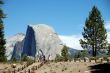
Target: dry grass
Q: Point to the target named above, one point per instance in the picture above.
(65, 67)
(8, 66)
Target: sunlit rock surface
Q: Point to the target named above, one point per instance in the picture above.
(10, 45)
(41, 38)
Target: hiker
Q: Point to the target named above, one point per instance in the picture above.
(32, 71)
(44, 58)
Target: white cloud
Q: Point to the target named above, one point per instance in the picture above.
(107, 25)
(71, 41)
(108, 36)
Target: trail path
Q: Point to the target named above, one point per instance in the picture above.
(25, 70)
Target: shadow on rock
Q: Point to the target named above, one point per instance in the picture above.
(100, 68)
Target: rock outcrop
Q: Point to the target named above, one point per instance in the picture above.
(17, 50)
(41, 39)
(13, 47)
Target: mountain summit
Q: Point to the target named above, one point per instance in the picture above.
(41, 39)
(11, 42)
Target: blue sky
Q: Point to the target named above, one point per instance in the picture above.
(67, 17)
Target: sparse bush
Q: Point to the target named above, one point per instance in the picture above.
(105, 57)
(64, 53)
(95, 58)
(14, 59)
(58, 58)
(70, 71)
(92, 58)
(79, 70)
(82, 54)
(24, 58)
(28, 59)
(62, 70)
(77, 55)
(65, 68)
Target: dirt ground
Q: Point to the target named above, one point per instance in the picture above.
(8, 66)
(66, 67)
(53, 67)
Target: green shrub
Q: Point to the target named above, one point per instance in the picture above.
(28, 59)
(58, 58)
(24, 58)
(64, 53)
(14, 59)
(81, 54)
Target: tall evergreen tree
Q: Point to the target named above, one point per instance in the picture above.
(2, 40)
(108, 49)
(64, 53)
(94, 33)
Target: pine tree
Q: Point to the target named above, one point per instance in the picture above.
(64, 53)
(2, 40)
(108, 49)
(94, 33)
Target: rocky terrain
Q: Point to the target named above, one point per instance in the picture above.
(11, 45)
(40, 39)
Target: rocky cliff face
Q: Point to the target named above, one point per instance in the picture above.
(13, 47)
(17, 50)
(41, 39)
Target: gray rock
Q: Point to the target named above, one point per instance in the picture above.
(17, 50)
(41, 38)
(12, 45)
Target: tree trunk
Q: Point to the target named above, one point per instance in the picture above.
(93, 51)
